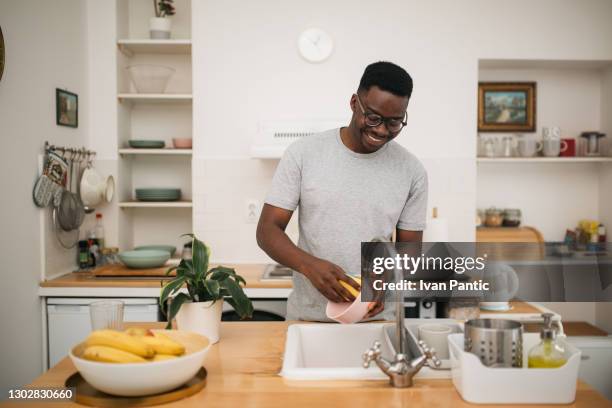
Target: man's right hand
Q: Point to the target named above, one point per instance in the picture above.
(324, 276)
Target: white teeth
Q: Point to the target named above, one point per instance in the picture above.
(375, 139)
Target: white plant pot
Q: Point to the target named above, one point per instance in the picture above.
(159, 27)
(201, 317)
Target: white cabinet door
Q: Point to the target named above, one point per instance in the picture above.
(68, 321)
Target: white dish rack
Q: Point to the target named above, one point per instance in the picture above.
(478, 383)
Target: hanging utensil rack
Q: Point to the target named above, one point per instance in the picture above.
(82, 151)
(75, 155)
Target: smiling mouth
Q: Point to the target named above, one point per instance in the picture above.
(375, 140)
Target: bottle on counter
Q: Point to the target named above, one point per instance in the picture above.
(547, 354)
(83, 255)
(98, 231)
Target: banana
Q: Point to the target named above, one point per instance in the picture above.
(121, 341)
(163, 344)
(162, 357)
(348, 287)
(137, 331)
(110, 355)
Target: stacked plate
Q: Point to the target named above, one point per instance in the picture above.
(158, 194)
(146, 144)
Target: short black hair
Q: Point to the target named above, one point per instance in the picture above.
(388, 77)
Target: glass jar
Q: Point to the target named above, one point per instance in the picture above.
(512, 217)
(494, 217)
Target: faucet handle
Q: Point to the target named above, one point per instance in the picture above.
(430, 353)
(371, 354)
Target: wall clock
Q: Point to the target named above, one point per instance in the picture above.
(1, 54)
(315, 45)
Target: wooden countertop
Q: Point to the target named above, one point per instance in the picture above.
(243, 372)
(250, 272)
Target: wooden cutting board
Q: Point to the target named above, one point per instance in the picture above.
(122, 270)
(523, 243)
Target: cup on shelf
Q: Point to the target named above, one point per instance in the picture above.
(528, 146)
(571, 148)
(106, 314)
(553, 147)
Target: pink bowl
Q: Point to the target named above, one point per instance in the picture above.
(182, 143)
(347, 312)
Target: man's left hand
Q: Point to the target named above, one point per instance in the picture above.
(375, 308)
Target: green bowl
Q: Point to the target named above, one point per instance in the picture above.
(168, 248)
(143, 259)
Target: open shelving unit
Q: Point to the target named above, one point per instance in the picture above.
(153, 116)
(553, 193)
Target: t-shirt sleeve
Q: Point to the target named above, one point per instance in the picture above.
(414, 214)
(287, 180)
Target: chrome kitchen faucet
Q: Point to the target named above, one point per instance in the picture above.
(402, 368)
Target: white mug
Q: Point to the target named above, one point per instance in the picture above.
(436, 336)
(554, 147)
(528, 147)
(552, 133)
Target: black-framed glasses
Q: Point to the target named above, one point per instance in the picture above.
(374, 119)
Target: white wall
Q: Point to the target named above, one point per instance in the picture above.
(45, 49)
(247, 70)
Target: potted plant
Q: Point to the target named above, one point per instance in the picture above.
(160, 25)
(199, 309)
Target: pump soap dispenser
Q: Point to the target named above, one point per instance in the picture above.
(547, 354)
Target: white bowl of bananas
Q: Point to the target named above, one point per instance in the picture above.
(139, 362)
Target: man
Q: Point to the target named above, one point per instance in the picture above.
(351, 184)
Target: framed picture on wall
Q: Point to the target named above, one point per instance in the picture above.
(506, 106)
(66, 108)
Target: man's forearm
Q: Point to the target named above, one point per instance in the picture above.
(277, 244)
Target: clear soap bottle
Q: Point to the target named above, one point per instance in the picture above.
(548, 353)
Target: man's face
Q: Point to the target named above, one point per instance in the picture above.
(376, 102)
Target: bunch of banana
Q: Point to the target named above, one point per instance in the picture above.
(131, 346)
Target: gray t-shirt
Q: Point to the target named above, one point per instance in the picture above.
(345, 198)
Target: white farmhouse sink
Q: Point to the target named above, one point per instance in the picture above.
(332, 351)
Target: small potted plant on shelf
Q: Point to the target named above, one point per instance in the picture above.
(161, 24)
(199, 310)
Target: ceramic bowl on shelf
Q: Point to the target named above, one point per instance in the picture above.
(158, 194)
(182, 143)
(169, 248)
(139, 379)
(144, 258)
(149, 78)
(147, 144)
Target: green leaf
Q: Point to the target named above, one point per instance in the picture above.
(242, 304)
(168, 289)
(169, 271)
(212, 287)
(175, 305)
(200, 258)
(221, 273)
